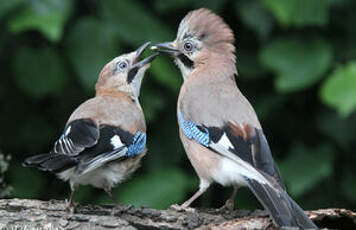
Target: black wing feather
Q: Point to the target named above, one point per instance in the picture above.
(252, 148)
(104, 151)
(104, 143)
(284, 211)
(249, 145)
(77, 135)
(263, 159)
(84, 145)
(51, 162)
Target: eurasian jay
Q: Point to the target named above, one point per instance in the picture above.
(104, 139)
(218, 127)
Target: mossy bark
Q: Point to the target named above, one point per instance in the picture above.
(35, 214)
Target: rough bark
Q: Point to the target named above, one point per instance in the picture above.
(35, 214)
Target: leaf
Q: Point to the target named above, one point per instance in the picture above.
(172, 5)
(306, 167)
(254, 15)
(4, 163)
(152, 102)
(46, 16)
(133, 23)
(7, 6)
(25, 187)
(298, 63)
(337, 128)
(39, 72)
(248, 65)
(340, 3)
(156, 189)
(90, 45)
(267, 104)
(35, 132)
(166, 73)
(122, 15)
(348, 186)
(214, 5)
(299, 12)
(164, 5)
(339, 90)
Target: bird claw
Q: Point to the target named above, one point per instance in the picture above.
(119, 209)
(227, 207)
(181, 208)
(71, 207)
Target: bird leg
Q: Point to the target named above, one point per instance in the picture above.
(113, 198)
(187, 203)
(118, 207)
(229, 204)
(70, 204)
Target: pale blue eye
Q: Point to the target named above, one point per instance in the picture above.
(122, 65)
(188, 46)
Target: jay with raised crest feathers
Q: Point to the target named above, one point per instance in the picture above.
(104, 139)
(218, 127)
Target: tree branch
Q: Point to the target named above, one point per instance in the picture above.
(35, 214)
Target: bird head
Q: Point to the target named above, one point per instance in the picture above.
(125, 73)
(203, 38)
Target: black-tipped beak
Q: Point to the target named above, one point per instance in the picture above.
(145, 61)
(167, 48)
(139, 64)
(140, 50)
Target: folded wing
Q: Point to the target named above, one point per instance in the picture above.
(87, 146)
(248, 148)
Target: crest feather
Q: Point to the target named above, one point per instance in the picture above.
(207, 26)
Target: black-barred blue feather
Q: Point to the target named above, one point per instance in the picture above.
(193, 131)
(87, 146)
(138, 144)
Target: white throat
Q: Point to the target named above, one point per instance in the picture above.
(185, 71)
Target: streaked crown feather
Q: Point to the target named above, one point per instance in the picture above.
(208, 27)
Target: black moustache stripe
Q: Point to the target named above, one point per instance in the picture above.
(132, 73)
(186, 61)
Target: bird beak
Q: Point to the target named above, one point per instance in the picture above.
(139, 64)
(145, 61)
(167, 48)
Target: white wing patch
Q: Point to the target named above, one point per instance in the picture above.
(116, 142)
(68, 130)
(234, 165)
(65, 143)
(224, 141)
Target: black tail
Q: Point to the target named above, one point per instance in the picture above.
(51, 162)
(282, 208)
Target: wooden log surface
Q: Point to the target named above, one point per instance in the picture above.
(36, 214)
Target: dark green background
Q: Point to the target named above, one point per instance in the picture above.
(296, 62)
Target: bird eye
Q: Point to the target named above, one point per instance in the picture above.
(188, 46)
(122, 65)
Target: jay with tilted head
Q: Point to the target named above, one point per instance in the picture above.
(104, 139)
(218, 127)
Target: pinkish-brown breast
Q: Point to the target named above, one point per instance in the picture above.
(112, 110)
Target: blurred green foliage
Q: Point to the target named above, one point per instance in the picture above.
(5, 190)
(296, 62)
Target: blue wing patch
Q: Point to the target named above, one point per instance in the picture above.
(138, 144)
(192, 131)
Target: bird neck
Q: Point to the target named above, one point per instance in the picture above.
(104, 91)
(111, 92)
(215, 69)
